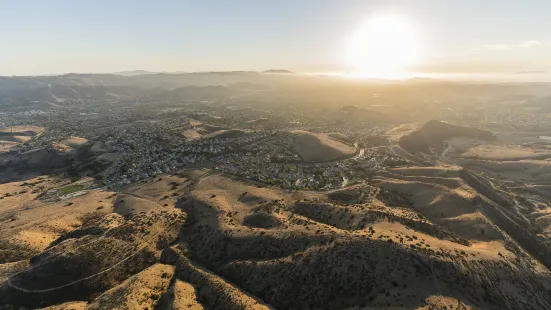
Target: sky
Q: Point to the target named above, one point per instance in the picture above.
(64, 36)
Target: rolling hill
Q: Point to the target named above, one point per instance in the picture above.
(318, 147)
(434, 132)
(417, 238)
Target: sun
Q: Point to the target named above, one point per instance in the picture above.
(384, 47)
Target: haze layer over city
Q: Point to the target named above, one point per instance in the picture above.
(275, 154)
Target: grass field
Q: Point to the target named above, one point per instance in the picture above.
(70, 189)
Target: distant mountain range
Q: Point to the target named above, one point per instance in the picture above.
(134, 72)
(134, 78)
(281, 71)
(43, 92)
(530, 72)
(47, 97)
(38, 92)
(142, 72)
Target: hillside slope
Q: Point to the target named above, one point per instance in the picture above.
(434, 132)
(417, 238)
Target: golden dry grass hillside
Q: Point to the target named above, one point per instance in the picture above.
(318, 147)
(15, 135)
(415, 238)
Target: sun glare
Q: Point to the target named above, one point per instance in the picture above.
(383, 47)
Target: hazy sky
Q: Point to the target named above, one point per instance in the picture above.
(61, 36)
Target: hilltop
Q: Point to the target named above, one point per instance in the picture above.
(318, 147)
(11, 137)
(434, 132)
